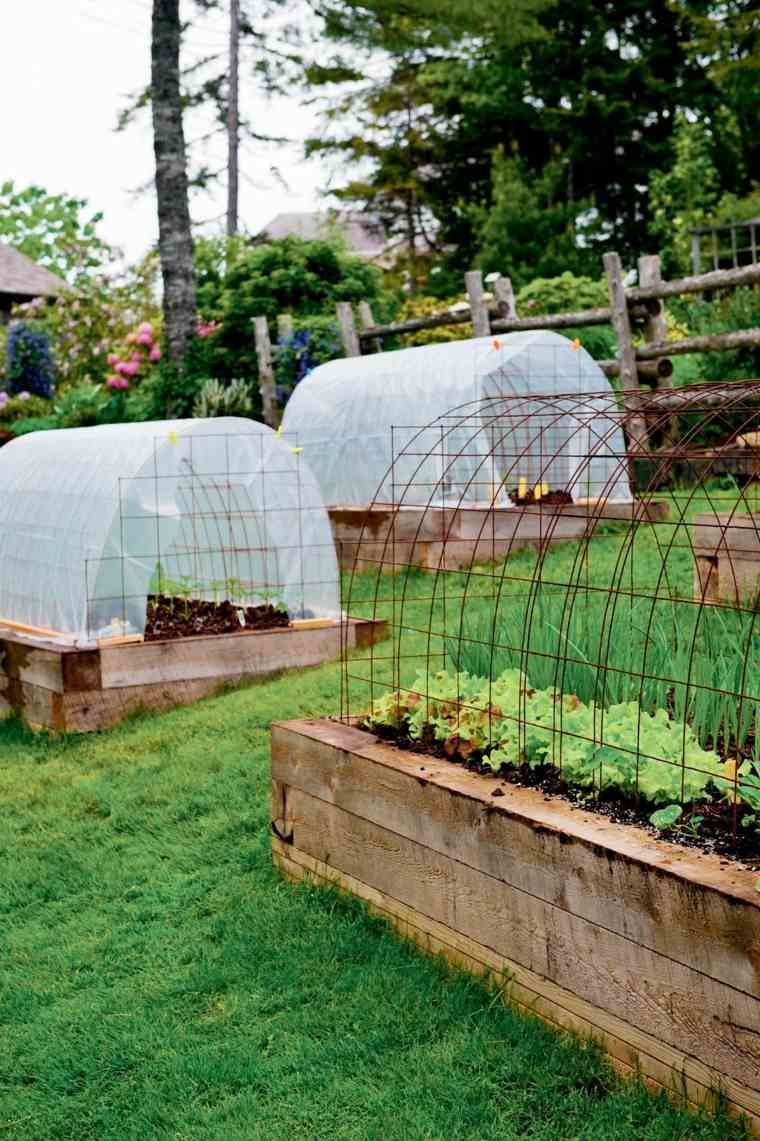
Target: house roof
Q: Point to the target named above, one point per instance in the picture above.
(21, 277)
(362, 232)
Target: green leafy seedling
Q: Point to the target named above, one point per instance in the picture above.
(665, 818)
(691, 826)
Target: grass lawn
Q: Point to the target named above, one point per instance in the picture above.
(159, 980)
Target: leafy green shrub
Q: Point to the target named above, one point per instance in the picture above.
(85, 405)
(735, 309)
(18, 408)
(237, 282)
(426, 307)
(216, 399)
(569, 293)
(565, 293)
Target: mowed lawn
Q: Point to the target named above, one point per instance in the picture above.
(160, 980)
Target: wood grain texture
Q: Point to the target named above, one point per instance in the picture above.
(551, 853)
(71, 690)
(686, 1080)
(623, 977)
(626, 924)
(456, 537)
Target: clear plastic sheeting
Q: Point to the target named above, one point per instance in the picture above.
(93, 520)
(358, 418)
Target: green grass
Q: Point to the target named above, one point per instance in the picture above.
(160, 981)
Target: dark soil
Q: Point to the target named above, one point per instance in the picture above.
(720, 830)
(169, 618)
(550, 499)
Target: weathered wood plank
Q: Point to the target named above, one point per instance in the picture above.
(632, 1051)
(481, 323)
(599, 966)
(349, 336)
(266, 371)
(255, 653)
(543, 852)
(707, 343)
(20, 662)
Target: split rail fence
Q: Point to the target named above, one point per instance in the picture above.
(640, 368)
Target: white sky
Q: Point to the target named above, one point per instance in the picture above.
(66, 67)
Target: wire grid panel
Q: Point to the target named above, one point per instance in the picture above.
(564, 633)
(218, 517)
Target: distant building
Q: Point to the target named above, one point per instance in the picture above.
(363, 233)
(21, 280)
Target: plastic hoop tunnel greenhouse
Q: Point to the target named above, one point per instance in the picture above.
(356, 418)
(94, 520)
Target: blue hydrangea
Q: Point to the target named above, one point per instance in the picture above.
(29, 365)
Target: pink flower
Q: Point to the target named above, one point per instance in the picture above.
(144, 339)
(24, 395)
(119, 382)
(155, 353)
(136, 358)
(3, 398)
(145, 330)
(206, 328)
(113, 358)
(128, 368)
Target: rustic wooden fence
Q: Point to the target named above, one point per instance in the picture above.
(638, 367)
(731, 245)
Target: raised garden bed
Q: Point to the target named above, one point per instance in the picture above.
(595, 926)
(447, 538)
(59, 687)
(727, 557)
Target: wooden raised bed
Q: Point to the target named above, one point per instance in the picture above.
(453, 537)
(54, 686)
(726, 557)
(594, 926)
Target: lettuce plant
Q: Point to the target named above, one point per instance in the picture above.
(506, 723)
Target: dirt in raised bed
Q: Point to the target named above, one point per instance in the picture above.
(169, 618)
(720, 830)
(552, 498)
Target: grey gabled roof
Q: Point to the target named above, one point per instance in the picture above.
(20, 276)
(363, 233)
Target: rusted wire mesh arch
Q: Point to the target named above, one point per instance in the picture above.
(432, 628)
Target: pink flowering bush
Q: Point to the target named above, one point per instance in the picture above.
(94, 323)
(141, 352)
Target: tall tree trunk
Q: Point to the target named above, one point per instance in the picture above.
(233, 125)
(174, 236)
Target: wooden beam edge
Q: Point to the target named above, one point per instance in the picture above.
(533, 807)
(631, 1051)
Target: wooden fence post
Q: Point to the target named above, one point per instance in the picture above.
(481, 323)
(266, 372)
(367, 320)
(505, 297)
(655, 325)
(348, 333)
(629, 381)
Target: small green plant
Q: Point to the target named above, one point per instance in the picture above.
(217, 399)
(665, 818)
(692, 827)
